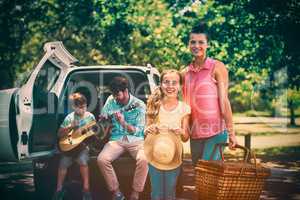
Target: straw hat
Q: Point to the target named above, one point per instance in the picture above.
(163, 150)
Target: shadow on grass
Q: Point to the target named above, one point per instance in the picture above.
(283, 184)
(17, 186)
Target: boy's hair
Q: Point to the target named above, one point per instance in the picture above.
(77, 99)
(201, 28)
(118, 83)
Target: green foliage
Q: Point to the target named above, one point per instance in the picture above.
(245, 93)
(137, 33)
(67, 21)
(255, 39)
(294, 95)
(14, 19)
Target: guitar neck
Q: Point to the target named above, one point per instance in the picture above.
(112, 114)
(124, 109)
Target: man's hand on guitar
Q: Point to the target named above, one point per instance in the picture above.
(119, 117)
(102, 118)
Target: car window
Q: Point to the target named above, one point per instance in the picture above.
(94, 84)
(156, 79)
(44, 82)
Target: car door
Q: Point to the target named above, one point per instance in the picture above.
(36, 104)
(8, 133)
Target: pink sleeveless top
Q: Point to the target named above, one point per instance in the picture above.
(201, 93)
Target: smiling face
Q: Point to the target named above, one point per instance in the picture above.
(198, 44)
(80, 109)
(122, 97)
(170, 84)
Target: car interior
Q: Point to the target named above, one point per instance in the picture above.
(94, 85)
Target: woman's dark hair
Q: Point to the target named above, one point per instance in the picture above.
(118, 83)
(201, 28)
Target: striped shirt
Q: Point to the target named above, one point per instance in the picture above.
(87, 118)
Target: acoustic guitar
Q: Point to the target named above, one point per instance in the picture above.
(80, 137)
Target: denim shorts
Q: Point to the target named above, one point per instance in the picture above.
(82, 159)
(203, 148)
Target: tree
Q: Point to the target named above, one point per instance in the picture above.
(14, 19)
(293, 102)
(138, 32)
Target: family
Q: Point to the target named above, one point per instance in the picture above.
(152, 133)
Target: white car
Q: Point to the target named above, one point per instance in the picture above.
(30, 115)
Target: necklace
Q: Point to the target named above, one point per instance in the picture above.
(195, 68)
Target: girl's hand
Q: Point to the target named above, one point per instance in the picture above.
(177, 131)
(152, 129)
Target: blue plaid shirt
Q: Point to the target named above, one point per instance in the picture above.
(134, 117)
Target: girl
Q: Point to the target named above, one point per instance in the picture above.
(165, 113)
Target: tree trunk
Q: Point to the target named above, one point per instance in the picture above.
(6, 80)
(292, 113)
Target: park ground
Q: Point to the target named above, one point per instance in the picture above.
(276, 145)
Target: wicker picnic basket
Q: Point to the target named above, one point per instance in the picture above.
(230, 180)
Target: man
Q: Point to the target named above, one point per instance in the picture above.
(126, 134)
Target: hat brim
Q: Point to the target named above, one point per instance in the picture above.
(148, 149)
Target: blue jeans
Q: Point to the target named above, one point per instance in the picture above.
(203, 148)
(163, 183)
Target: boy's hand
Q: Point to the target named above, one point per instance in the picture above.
(74, 125)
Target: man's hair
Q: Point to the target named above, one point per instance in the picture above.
(201, 28)
(118, 83)
(77, 99)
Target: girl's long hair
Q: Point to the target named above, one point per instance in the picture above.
(154, 100)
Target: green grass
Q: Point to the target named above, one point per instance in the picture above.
(255, 113)
(265, 133)
(277, 151)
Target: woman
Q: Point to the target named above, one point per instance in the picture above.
(205, 89)
(167, 125)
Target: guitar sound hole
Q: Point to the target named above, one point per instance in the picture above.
(94, 128)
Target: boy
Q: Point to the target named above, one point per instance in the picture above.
(73, 121)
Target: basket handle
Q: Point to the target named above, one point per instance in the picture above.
(220, 145)
(246, 158)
